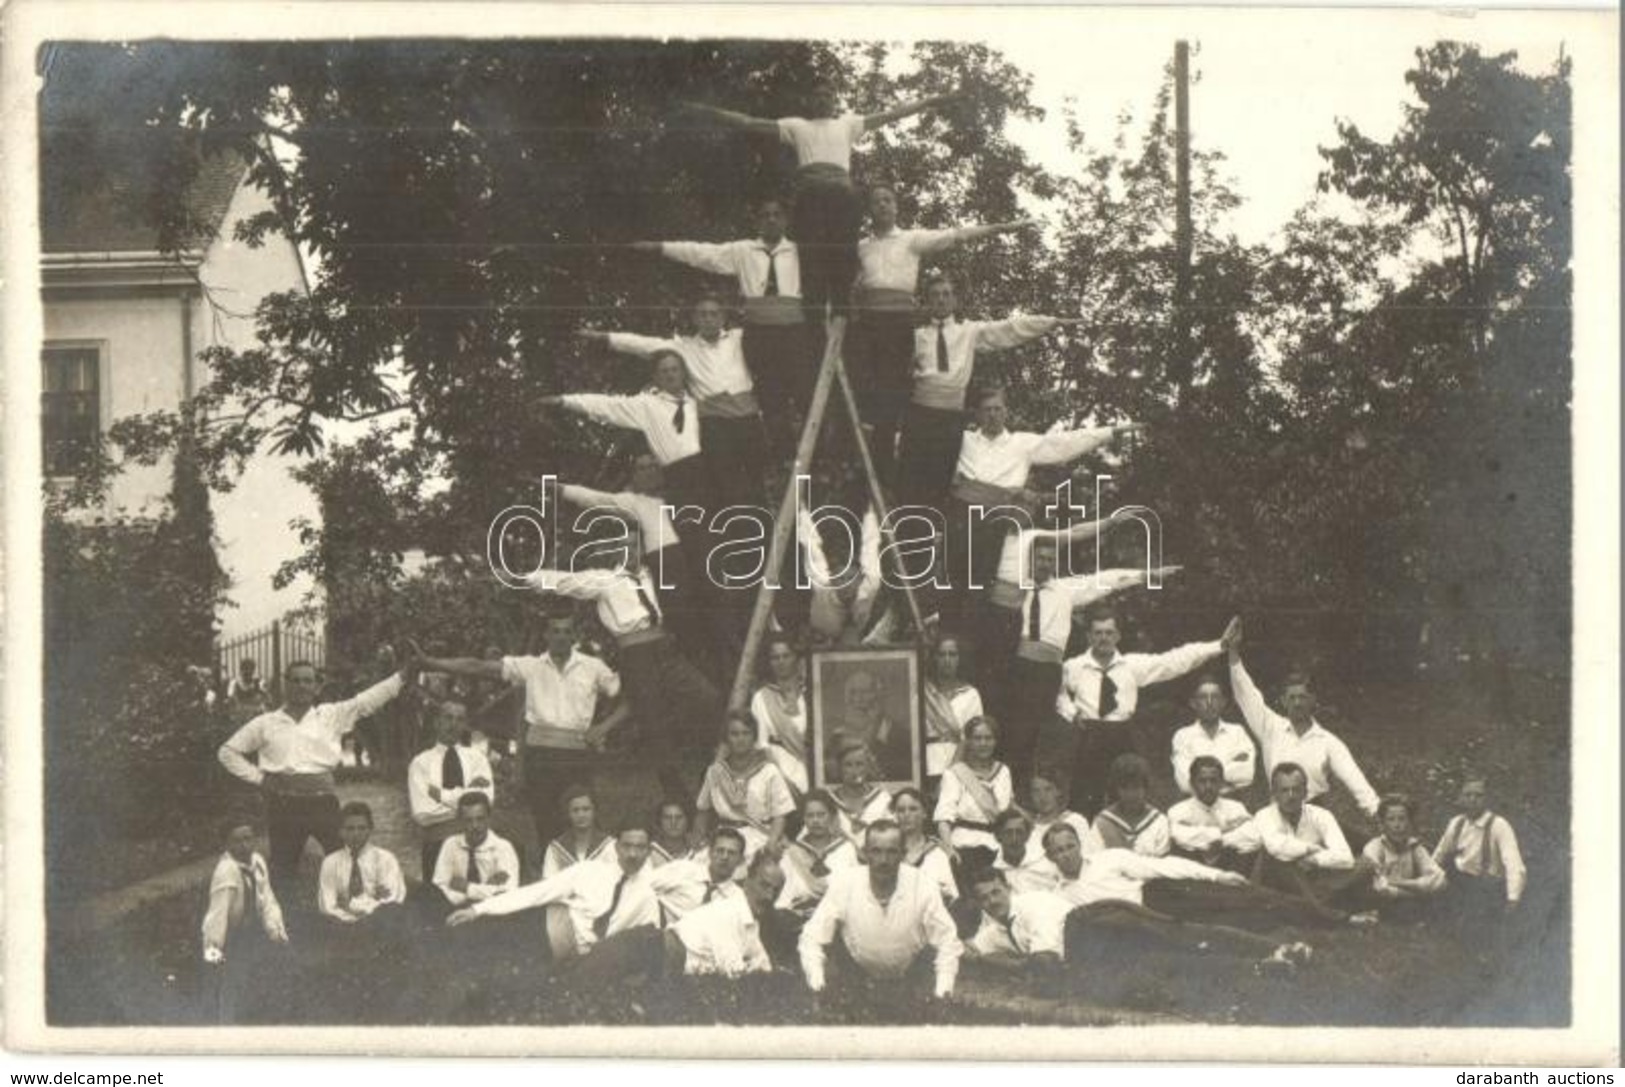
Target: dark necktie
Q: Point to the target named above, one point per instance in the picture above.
(677, 419)
(942, 348)
(600, 924)
(251, 898)
(710, 892)
(473, 866)
(772, 288)
(357, 887)
(451, 769)
(1108, 696)
(1035, 621)
(647, 602)
(1010, 930)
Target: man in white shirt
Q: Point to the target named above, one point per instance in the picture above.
(360, 882)
(290, 754)
(480, 865)
(1100, 693)
(1025, 931)
(1296, 737)
(1211, 735)
(1209, 827)
(881, 341)
(565, 689)
(242, 924)
(730, 417)
(779, 350)
(668, 418)
(945, 352)
(1480, 856)
(437, 778)
(1023, 868)
(881, 917)
(1303, 852)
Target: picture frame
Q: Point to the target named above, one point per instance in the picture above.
(882, 682)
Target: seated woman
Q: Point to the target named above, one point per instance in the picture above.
(673, 839)
(744, 790)
(950, 704)
(820, 849)
(1049, 808)
(1129, 821)
(1405, 879)
(780, 709)
(975, 789)
(584, 841)
(920, 849)
(859, 801)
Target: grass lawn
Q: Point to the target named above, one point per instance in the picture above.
(143, 969)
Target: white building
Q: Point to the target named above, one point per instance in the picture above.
(124, 325)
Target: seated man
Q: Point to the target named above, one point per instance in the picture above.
(360, 880)
(1023, 932)
(1219, 739)
(1108, 889)
(437, 778)
(1479, 854)
(1024, 869)
(1405, 879)
(242, 925)
(885, 914)
(480, 865)
(1303, 852)
(1209, 828)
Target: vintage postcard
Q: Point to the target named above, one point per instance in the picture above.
(841, 531)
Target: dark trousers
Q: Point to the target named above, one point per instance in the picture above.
(783, 368)
(734, 450)
(687, 482)
(644, 951)
(242, 988)
(1086, 753)
(880, 359)
(927, 454)
(1030, 694)
(995, 632)
(429, 856)
(679, 711)
(1248, 906)
(1327, 892)
(1116, 926)
(825, 224)
(1475, 906)
(549, 771)
(291, 821)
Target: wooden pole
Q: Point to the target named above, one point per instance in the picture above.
(1183, 356)
(739, 697)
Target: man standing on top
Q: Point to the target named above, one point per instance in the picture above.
(881, 342)
(290, 754)
(778, 348)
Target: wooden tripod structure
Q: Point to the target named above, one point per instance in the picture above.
(830, 372)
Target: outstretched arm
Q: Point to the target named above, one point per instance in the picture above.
(727, 118)
(872, 121)
(1069, 445)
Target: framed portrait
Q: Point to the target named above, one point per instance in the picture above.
(872, 696)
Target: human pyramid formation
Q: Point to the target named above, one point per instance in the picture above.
(820, 863)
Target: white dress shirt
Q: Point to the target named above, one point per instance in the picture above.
(1056, 600)
(494, 857)
(228, 903)
(1081, 679)
(1231, 744)
(616, 592)
(1034, 873)
(944, 390)
(1323, 756)
(274, 743)
(683, 886)
(586, 890)
(1117, 875)
(1036, 926)
(651, 412)
(1007, 459)
(747, 261)
(428, 768)
(1197, 828)
(561, 703)
(1315, 835)
(891, 261)
(716, 368)
(826, 140)
(956, 803)
(652, 512)
(883, 940)
(381, 880)
(1464, 842)
(723, 938)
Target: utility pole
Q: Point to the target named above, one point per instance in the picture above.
(1183, 361)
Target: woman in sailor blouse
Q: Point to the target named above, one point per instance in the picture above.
(780, 709)
(584, 841)
(920, 849)
(744, 790)
(673, 839)
(975, 789)
(820, 850)
(858, 800)
(1130, 821)
(950, 704)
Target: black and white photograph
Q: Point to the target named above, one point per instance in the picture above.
(928, 521)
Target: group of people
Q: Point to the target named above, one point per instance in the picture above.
(1026, 835)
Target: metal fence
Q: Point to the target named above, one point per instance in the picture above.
(272, 648)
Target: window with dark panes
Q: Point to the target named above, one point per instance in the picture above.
(70, 407)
